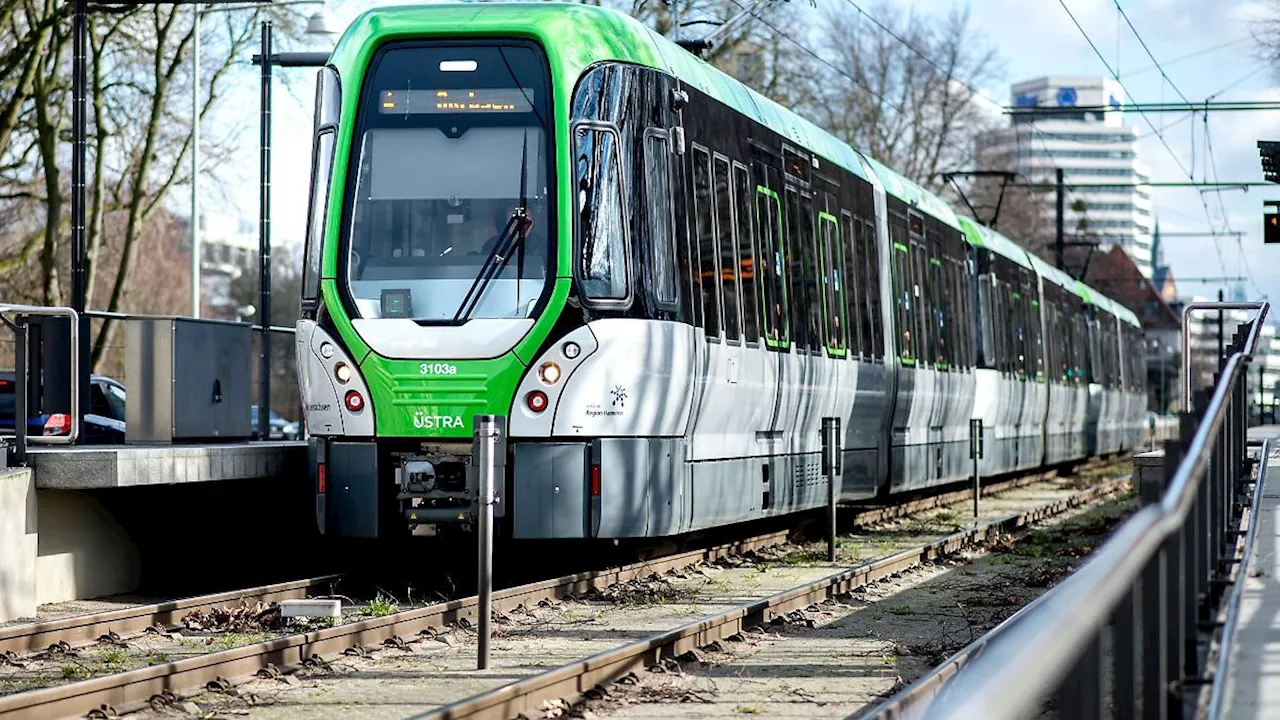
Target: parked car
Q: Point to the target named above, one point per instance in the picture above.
(103, 424)
(278, 425)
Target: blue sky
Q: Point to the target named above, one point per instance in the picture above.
(1034, 38)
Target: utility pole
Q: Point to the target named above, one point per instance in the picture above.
(1221, 350)
(1058, 244)
(195, 163)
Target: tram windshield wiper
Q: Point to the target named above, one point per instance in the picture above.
(513, 235)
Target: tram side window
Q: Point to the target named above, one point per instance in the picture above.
(964, 315)
(322, 164)
(792, 252)
(602, 268)
(869, 251)
(833, 285)
(941, 325)
(328, 98)
(704, 231)
(746, 256)
(769, 222)
(1036, 335)
(903, 300)
(807, 244)
(662, 252)
(923, 315)
(854, 286)
(986, 333)
(728, 255)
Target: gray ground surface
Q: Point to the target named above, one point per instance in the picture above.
(877, 644)
(860, 651)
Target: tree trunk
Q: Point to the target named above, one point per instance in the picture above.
(47, 131)
(138, 189)
(94, 230)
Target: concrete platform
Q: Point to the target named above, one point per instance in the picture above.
(93, 468)
(1252, 687)
(90, 521)
(1264, 432)
(57, 546)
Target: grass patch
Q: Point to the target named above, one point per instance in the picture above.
(902, 610)
(753, 709)
(71, 671)
(114, 656)
(381, 605)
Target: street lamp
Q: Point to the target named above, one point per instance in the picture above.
(317, 25)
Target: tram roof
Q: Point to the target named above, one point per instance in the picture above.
(983, 236)
(576, 37)
(1052, 274)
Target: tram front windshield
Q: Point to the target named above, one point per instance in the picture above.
(443, 136)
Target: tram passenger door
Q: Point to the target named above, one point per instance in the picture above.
(768, 428)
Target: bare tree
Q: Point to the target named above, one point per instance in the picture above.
(751, 50)
(906, 98)
(139, 139)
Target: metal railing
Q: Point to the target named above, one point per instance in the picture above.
(21, 378)
(1146, 598)
(1186, 336)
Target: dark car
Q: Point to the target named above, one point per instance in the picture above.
(104, 424)
(278, 425)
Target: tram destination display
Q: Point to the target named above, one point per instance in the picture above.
(449, 101)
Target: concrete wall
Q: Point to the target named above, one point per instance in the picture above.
(80, 550)
(83, 551)
(18, 544)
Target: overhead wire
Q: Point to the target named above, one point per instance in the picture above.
(1159, 134)
(896, 106)
(1212, 163)
(967, 85)
(1188, 56)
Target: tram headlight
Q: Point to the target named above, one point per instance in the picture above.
(342, 372)
(571, 350)
(549, 373)
(326, 350)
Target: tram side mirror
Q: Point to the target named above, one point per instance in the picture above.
(679, 99)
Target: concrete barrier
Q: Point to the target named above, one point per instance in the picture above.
(57, 546)
(18, 543)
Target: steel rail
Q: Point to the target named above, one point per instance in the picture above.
(1252, 342)
(74, 317)
(78, 629)
(912, 701)
(137, 688)
(1007, 680)
(1231, 621)
(572, 680)
(864, 517)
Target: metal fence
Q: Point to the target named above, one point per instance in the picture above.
(1129, 633)
(274, 374)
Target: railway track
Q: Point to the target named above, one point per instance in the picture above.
(159, 684)
(79, 629)
(570, 682)
(867, 516)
